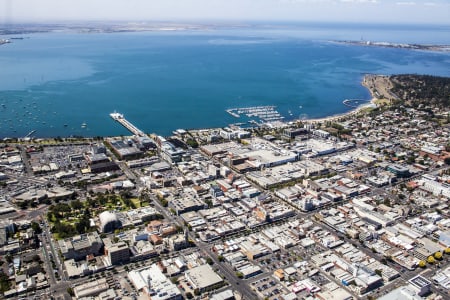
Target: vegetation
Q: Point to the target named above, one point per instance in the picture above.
(420, 89)
(447, 160)
(422, 264)
(192, 142)
(73, 218)
(36, 228)
(5, 285)
(438, 255)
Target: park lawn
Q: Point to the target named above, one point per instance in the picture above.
(137, 203)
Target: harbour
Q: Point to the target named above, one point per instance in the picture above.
(263, 113)
(354, 103)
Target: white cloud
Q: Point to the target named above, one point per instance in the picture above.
(380, 11)
(406, 3)
(359, 1)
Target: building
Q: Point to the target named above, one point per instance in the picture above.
(203, 278)
(124, 150)
(78, 247)
(91, 288)
(109, 221)
(402, 293)
(420, 285)
(292, 133)
(187, 204)
(108, 166)
(398, 170)
(152, 282)
(170, 153)
(178, 242)
(118, 253)
(225, 295)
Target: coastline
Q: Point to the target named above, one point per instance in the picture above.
(372, 103)
(421, 47)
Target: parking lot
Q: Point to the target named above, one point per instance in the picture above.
(268, 287)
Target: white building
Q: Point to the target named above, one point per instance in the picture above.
(154, 283)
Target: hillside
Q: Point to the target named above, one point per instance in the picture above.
(421, 89)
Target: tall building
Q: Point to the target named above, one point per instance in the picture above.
(118, 253)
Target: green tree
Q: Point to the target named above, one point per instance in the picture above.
(36, 228)
(76, 204)
(5, 284)
(447, 160)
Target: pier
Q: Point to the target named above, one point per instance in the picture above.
(125, 123)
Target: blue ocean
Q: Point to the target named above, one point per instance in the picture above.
(67, 83)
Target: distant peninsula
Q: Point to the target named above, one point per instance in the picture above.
(441, 48)
(4, 41)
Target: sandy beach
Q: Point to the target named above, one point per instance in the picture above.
(378, 86)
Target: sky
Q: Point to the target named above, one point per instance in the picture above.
(348, 11)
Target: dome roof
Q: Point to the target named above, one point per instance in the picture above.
(107, 217)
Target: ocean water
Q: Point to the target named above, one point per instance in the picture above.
(162, 81)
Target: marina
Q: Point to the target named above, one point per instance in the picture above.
(118, 117)
(354, 103)
(263, 113)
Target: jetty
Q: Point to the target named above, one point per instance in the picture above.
(118, 117)
(30, 133)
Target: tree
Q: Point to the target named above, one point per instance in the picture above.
(209, 203)
(5, 285)
(61, 208)
(422, 264)
(447, 160)
(192, 142)
(36, 228)
(438, 255)
(447, 250)
(430, 259)
(189, 295)
(76, 204)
